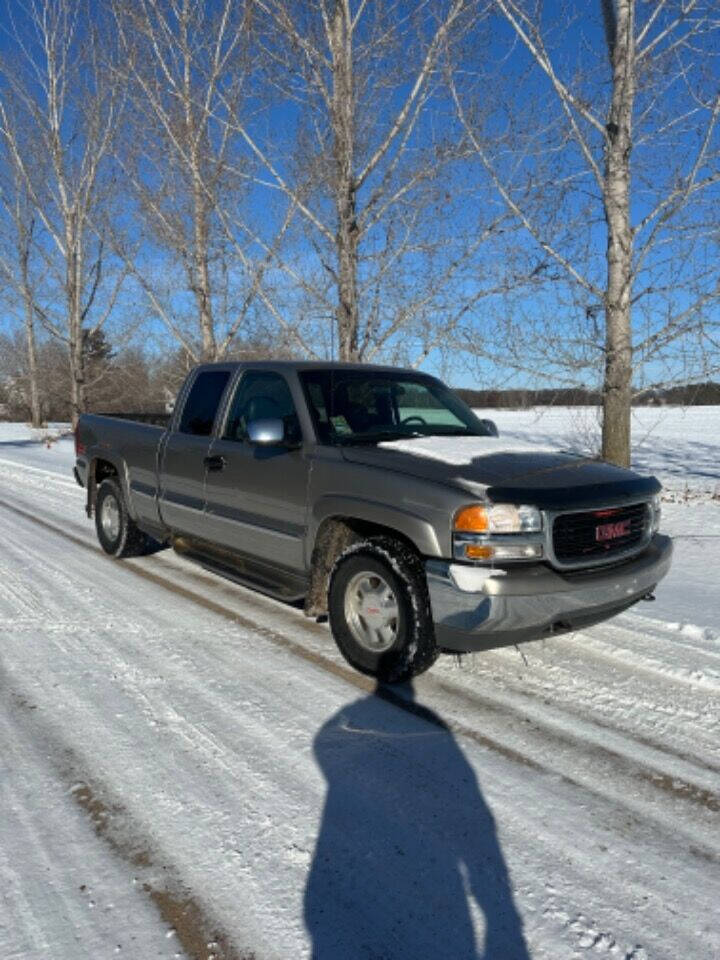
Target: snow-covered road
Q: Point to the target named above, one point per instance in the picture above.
(189, 769)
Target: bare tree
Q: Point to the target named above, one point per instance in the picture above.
(380, 235)
(59, 108)
(190, 72)
(15, 269)
(622, 134)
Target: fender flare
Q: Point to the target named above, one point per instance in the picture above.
(331, 531)
(419, 531)
(121, 469)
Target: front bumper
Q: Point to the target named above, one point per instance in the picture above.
(476, 608)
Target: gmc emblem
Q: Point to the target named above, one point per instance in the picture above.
(611, 531)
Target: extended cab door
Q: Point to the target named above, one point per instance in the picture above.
(183, 466)
(256, 496)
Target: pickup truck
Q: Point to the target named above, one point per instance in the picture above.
(378, 499)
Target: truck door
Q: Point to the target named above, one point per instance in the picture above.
(256, 496)
(183, 466)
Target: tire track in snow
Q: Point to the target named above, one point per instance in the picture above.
(23, 469)
(200, 935)
(16, 598)
(662, 781)
(685, 636)
(624, 647)
(561, 681)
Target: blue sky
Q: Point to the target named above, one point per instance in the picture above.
(512, 97)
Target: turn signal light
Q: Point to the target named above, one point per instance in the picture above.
(472, 519)
(474, 551)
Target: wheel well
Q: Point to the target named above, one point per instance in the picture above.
(367, 528)
(103, 470)
(334, 536)
(99, 470)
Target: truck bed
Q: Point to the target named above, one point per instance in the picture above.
(156, 419)
(132, 448)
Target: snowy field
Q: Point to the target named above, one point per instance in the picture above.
(189, 769)
(680, 445)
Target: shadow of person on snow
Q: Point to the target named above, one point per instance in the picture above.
(405, 843)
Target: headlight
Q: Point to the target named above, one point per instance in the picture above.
(498, 518)
(498, 532)
(655, 514)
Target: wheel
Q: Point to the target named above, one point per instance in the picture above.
(408, 420)
(379, 610)
(116, 530)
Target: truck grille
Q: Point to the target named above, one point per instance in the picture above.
(598, 534)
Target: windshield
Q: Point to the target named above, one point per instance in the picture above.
(368, 406)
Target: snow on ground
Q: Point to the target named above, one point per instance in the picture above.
(49, 448)
(190, 770)
(23, 432)
(680, 445)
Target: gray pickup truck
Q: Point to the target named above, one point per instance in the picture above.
(377, 498)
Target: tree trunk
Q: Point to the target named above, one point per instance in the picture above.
(617, 387)
(35, 411)
(347, 244)
(343, 122)
(78, 400)
(201, 286)
(24, 250)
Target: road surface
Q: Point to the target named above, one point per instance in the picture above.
(190, 769)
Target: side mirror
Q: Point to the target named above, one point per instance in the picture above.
(491, 428)
(266, 432)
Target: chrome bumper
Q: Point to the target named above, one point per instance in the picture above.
(476, 608)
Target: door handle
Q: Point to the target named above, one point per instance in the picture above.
(214, 464)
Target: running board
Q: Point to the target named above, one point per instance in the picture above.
(246, 571)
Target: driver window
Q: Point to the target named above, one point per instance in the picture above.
(261, 395)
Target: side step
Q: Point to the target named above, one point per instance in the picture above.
(247, 571)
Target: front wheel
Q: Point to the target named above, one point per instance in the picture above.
(379, 610)
(117, 532)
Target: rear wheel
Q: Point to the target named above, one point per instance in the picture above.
(379, 610)
(117, 532)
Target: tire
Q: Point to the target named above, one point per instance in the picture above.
(117, 532)
(379, 610)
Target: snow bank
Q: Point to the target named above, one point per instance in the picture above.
(16, 432)
(50, 449)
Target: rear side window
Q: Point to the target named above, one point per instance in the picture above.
(203, 401)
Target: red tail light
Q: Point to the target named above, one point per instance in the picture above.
(79, 447)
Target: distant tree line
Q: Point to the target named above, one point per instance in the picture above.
(688, 395)
(131, 380)
(124, 380)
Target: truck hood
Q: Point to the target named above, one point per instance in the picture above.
(505, 471)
